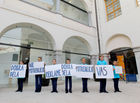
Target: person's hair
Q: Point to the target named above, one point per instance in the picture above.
(83, 58)
(40, 58)
(68, 59)
(54, 59)
(114, 61)
(21, 61)
(100, 56)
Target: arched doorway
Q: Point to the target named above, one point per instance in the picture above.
(126, 59)
(119, 48)
(76, 48)
(23, 41)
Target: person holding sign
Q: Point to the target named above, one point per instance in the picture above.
(20, 81)
(84, 80)
(54, 80)
(68, 79)
(116, 77)
(38, 79)
(102, 81)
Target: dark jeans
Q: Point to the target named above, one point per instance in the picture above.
(68, 80)
(102, 85)
(38, 81)
(20, 84)
(54, 84)
(84, 83)
(116, 84)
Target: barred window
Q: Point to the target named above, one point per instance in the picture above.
(113, 8)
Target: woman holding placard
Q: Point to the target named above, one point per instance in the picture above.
(102, 81)
(20, 81)
(116, 78)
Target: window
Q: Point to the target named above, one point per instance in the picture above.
(113, 8)
(72, 9)
(44, 4)
(75, 10)
(138, 2)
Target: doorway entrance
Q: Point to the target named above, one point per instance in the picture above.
(126, 59)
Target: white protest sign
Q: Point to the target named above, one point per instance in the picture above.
(104, 71)
(118, 70)
(17, 71)
(53, 71)
(84, 71)
(68, 69)
(36, 68)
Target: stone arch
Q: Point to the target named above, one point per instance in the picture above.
(118, 41)
(74, 39)
(29, 25)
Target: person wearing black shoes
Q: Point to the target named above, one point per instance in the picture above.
(116, 78)
(20, 81)
(102, 81)
(54, 80)
(68, 80)
(84, 80)
(38, 79)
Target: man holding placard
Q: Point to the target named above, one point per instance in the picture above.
(20, 81)
(116, 77)
(18, 71)
(54, 80)
(37, 69)
(68, 79)
(84, 80)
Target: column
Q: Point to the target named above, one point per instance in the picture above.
(137, 57)
(58, 6)
(89, 18)
(106, 57)
(1, 1)
(94, 59)
(60, 59)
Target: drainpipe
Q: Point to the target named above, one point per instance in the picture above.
(97, 26)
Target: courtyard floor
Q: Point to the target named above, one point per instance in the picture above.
(130, 94)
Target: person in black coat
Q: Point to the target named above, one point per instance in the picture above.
(84, 80)
(68, 80)
(38, 79)
(54, 80)
(20, 81)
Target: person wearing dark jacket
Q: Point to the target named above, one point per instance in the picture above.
(20, 81)
(68, 80)
(54, 80)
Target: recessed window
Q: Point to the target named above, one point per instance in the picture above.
(138, 2)
(113, 9)
(44, 4)
(72, 9)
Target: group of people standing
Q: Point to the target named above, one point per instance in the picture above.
(68, 79)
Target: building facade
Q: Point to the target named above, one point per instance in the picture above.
(119, 33)
(68, 29)
(45, 28)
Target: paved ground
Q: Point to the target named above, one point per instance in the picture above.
(130, 94)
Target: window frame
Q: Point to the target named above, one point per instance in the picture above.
(114, 10)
